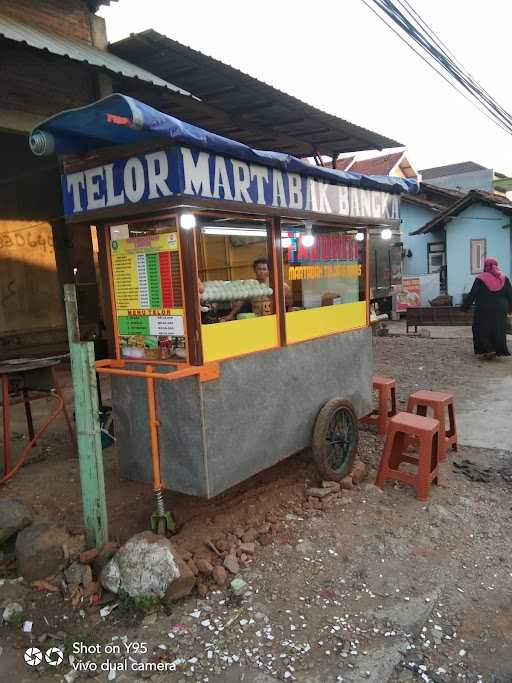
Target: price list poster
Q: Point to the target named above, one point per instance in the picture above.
(149, 299)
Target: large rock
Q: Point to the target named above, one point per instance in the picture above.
(183, 584)
(143, 567)
(42, 550)
(14, 516)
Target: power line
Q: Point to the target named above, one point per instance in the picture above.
(441, 59)
(448, 59)
(454, 69)
(432, 66)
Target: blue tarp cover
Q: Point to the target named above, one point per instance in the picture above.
(121, 120)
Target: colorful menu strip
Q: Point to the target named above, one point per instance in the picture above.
(153, 271)
(164, 261)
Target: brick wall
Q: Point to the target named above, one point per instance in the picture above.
(39, 83)
(67, 17)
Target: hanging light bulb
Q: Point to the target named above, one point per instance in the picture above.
(359, 236)
(308, 239)
(187, 221)
(386, 234)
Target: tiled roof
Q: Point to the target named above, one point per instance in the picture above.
(442, 191)
(451, 169)
(343, 164)
(497, 201)
(420, 200)
(434, 197)
(382, 165)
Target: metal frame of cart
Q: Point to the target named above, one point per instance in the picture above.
(247, 393)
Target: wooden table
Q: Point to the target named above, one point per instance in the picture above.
(22, 381)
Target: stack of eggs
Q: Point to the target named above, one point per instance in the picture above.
(226, 290)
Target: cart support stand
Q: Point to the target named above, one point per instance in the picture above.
(160, 520)
(87, 427)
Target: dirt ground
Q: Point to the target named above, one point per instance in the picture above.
(373, 587)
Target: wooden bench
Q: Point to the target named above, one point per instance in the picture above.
(437, 316)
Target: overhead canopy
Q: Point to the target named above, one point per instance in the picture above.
(242, 107)
(80, 51)
(121, 120)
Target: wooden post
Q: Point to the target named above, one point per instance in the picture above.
(275, 247)
(88, 433)
(191, 295)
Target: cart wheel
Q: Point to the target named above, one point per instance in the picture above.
(335, 439)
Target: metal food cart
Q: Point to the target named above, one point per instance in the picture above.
(219, 371)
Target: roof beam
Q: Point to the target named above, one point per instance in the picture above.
(217, 82)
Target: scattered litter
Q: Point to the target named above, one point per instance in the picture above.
(27, 627)
(10, 610)
(105, 611)
(239, 586)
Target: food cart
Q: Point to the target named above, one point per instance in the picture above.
(238, 285)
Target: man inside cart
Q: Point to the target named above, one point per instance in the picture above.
(262, 271)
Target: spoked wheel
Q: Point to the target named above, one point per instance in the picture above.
(335, 439)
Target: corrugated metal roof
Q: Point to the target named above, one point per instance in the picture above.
(382, 165)
(244, 107)
(451, 169)
(94, 4)
(80, 52)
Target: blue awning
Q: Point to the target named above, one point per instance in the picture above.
(121, 120)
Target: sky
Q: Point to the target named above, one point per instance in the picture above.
(338, 56)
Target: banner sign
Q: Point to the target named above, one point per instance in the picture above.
(183, 172)
(409, 295)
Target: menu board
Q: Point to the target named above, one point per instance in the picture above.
(149, 297)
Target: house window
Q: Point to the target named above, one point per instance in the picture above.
(477, 256)
(436, 257)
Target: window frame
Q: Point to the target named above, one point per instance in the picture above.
(474, 243)
(188, 252)
(323, 328)
(217, 333)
